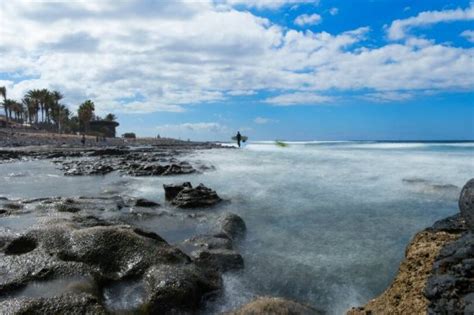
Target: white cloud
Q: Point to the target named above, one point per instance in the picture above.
(306, 19)
(333, 11)
(389, 96)
(196, 131)
(262, 4)
(469, 35)
(399, 28)
(201, 126)
(241, 92)
(133, 56)
(298, 99)
(263, 120)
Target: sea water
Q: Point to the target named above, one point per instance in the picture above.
(328, 222)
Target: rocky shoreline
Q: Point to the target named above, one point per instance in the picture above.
(90, 255)
(95, 255)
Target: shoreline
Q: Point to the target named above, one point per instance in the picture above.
(77, 216)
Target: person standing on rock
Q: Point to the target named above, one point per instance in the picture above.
(239, 138)
(83, 140)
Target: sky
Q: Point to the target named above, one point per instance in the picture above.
(273, 69)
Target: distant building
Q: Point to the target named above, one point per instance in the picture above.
(105, 128)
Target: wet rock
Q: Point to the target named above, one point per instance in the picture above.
(210, 242)
(86, 167)
(13, 206)
(171, 191)
(198, 197)
(273, 305)
(177, 290)
(219, 259)
(89, 221)
(451, 277)
(117, 251)
(179, 169)
(452, 224)
(65, 207)
(109, 252)
(20, 246)
(109, 152)
(142, 202)
(468, 301)
(466, 203)
(438, 284)
(232, 225)
(75, 304)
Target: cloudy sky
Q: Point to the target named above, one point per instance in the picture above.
(273, 69)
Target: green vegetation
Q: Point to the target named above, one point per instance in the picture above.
(43, 109)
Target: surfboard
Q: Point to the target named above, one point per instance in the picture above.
(243, 138)
(281, 143)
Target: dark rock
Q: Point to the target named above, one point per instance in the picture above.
(175, 289)
(13, 206)
(67, 207)
(145, 203)
(171, 191)
(219, 259)
(178, 169)
(117, 251)
(466, 203)
(451, 277)
(439, 284)
(232, 225)
(210, 242)
(201, 196)
(74, 304)
(468, 301)
(109, 151)
(452, 224)
(20, 246)
(81, 168)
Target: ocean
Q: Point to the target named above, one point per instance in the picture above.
(328, 222)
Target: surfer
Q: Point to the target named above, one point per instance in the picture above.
(239, 138)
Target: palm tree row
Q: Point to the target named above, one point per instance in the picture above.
(42, 108)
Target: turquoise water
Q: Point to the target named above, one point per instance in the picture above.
(327, 222)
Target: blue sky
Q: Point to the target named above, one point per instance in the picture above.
(273, 69)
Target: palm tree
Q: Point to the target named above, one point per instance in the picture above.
(110, 117)
(35, 97)
(29, 108)
(55, 107)
(3, 93)
(86, 113)
(9, 105)
(46, 101)
(63, 117)
(17, 109)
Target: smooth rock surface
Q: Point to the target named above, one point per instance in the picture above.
(232, 225)
(466, 203)
(197, 197)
